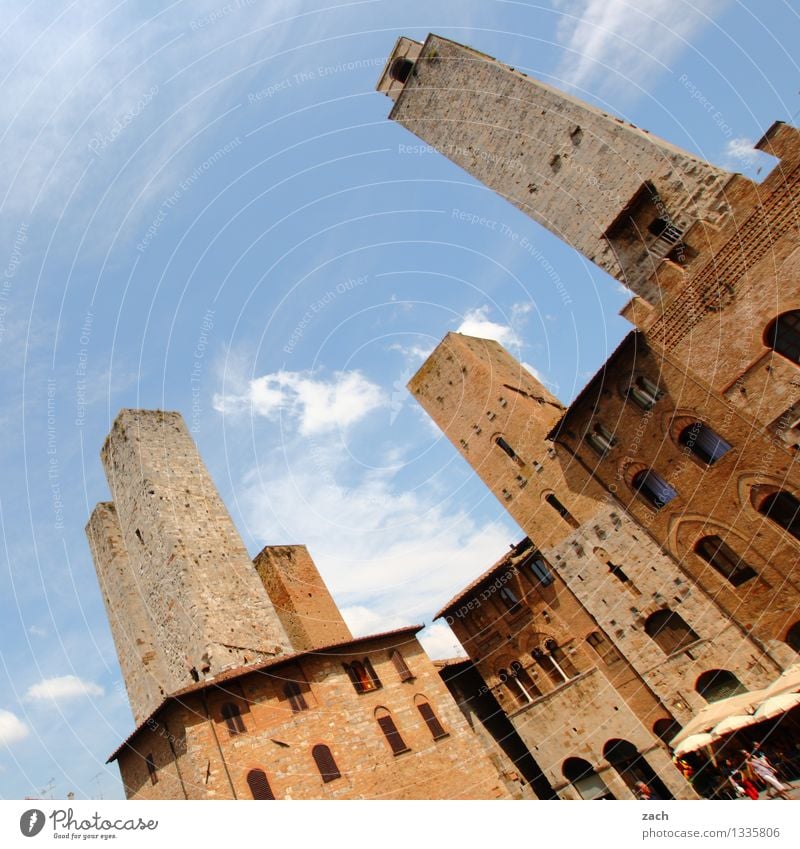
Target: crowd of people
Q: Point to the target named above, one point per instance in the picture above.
(739, 773)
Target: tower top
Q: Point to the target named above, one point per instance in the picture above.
(621, 196)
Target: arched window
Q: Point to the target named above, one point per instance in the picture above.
(233, 718)
(523, 681)
(703, 442)
(717, 684)
(669, 631)
(292, 692)
(783, 335)
(400, 665)
(400, 68)
(323, 758)
(509, 597)
(608, 653)
(721, 556)
(601, 439)
(431, 720)
(793, 636)
(259, 785)
(584, 779)
(554, 661)
(653, 488)
(501, 443)
(561, 510)
(784, 509)
(666, 729)
(363, 676)
(393, 737)
(644, 392)
(538, 566)
(633, 767)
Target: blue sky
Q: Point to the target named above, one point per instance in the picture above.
(205, 209)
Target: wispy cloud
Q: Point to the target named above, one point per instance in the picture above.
(634, 39)
(391, 554)
(440, 642)
(12, 728)
(62, 688)
(315, 404)
(477, 323)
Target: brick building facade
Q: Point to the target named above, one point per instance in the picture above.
(243, 678)
(662, 509)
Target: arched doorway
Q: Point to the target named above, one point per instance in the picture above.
(719, 684)
(585, 780)
(666, 729)
(633, 767)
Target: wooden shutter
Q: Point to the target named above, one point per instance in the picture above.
(323, 757)
(431, 720)
(392, 734)
(373, 675)
(233, 719)
(259, 786)
(353, 675)
(296, 699)
(400, 665)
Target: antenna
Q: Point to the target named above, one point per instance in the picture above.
(47, 791)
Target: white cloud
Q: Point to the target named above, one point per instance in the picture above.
(742, 150)
(363, 621)
(634, 38)
(391, 556)
(12, 728)
(63, 688)
(440, 642)
(318, 405)
(36, 631)
(84, 86)
(413, 352)
(477, 323)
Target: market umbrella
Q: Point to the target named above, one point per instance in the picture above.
(789, 681)
(692, 744)
(731, 724)
(777, 705)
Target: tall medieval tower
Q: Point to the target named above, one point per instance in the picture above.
(182, 596)
(621, 196)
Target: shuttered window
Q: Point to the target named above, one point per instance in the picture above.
(651, 486)
(233, 719)
(259, 785)
(323, 757)
(400, 665)
(363, 676)
(391, 733)
(704, 443)
(431, 720)
(291, 690)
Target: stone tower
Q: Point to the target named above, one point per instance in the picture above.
(303, 602)
(619, 195)
(183, 598)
